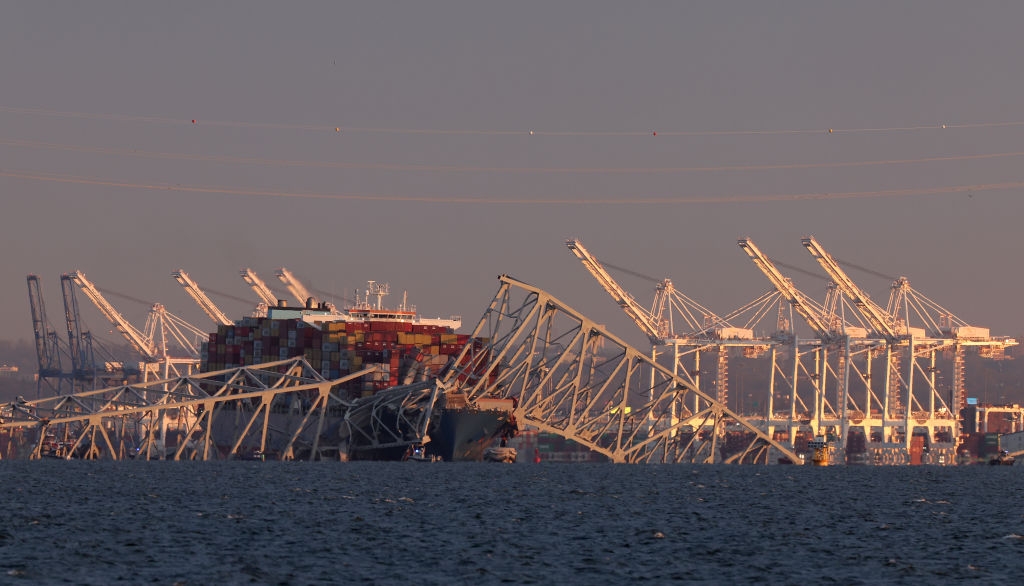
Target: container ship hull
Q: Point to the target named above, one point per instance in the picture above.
(455, 435)
(404, 350)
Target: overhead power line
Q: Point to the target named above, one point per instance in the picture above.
(340, 127)
(225, 159)
(506, 200)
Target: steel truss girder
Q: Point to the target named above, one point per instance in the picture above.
(570, 376)
(392, 418)
(130, 420)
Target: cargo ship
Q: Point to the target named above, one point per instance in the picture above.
(405, 350)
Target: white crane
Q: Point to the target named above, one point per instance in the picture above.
(645, 320)
(295, 287)
(259, 287)
(204, 302)
(929, 408)
(828, 331)
(162, 328)
(811, 311)
(699, 327)
(880, 320)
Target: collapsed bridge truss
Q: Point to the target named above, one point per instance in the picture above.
(570, 376)
(564, 373)
(277, 410)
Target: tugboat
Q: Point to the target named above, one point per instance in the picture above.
(1003, 459)
(821, 451)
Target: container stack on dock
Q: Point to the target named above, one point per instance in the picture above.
(402, 351)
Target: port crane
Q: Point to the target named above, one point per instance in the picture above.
(651, 323)
(96, 359)
(295, 287)
(303, 294)
(204, 302)
(687, 327)
(912, 403)
(267, 297)
(813, 313)
(162, 328)
(83, 356)
(831, 330)
(889, 411)
(883, 323)
(648, 322)
(48, 350)
(942, 329)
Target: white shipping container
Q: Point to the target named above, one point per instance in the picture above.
(855, 332)
(734, 334)
(971, 332)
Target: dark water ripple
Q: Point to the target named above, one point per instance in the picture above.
(392, 523)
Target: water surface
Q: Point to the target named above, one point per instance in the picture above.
(464, 523)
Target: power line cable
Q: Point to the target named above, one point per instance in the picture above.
(498, 132)
(227, 159)
(504, 200)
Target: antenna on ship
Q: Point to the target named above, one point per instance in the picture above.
(378, 290)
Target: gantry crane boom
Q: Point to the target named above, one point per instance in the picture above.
(261, 289)
(197, 294)
(137, 339)
(804, 305)
(879, 319)
(295, 287)
(47, 348)
(643, 319)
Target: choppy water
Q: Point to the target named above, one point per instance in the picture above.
(415, 523)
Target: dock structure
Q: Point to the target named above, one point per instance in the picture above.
(885, 384)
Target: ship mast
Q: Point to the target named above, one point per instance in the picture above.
(378, 290)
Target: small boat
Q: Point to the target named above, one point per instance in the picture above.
(419, 454)
(1003, 459)
(503, 454)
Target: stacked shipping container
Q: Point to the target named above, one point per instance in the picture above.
(401, 350)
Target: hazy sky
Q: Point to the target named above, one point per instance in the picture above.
(435, 184)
